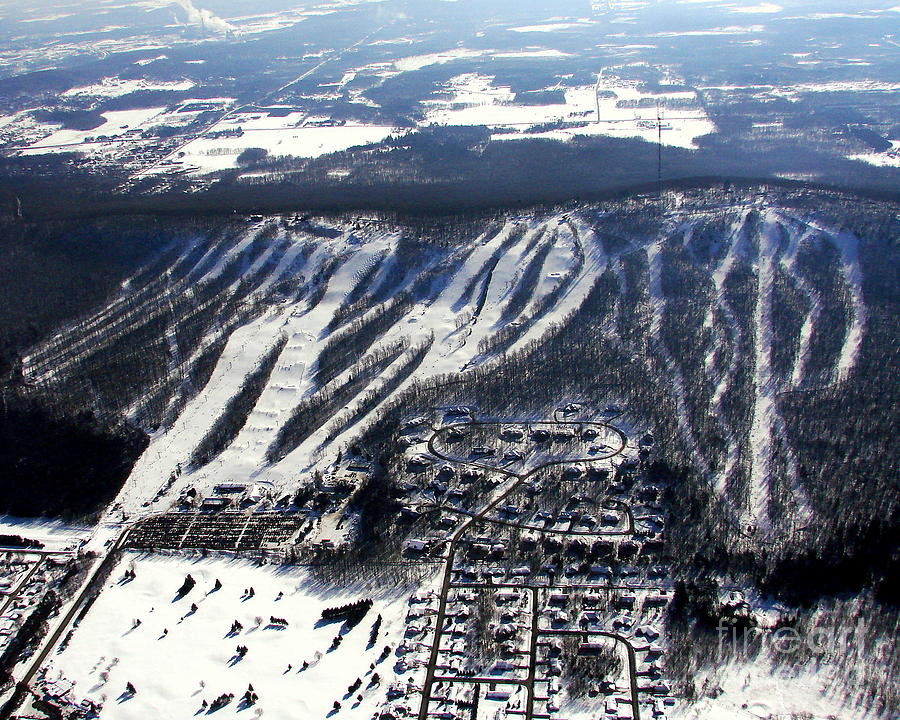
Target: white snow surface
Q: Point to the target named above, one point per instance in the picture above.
(175, 658)
(610, 107)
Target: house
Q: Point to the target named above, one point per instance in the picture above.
(214, 504)
(416, 545)
(456, 410)
(512, 433)
(656, 600)
(627, 602)
(418, 462)
(230, 488)
(255, 494)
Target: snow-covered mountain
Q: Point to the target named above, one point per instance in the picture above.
(257, 352)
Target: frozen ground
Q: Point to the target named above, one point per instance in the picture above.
(760, 690)
(54, 534)
(610, 107)
(177, 658)
(118, 124)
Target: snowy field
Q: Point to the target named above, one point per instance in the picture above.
(610, 108)
(54, 534)
(116, 87)
(762, 691)
(118, 124)
(176, 658)
(291, 134)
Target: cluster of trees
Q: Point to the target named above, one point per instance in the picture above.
(350, 345)
(235, 414)
(58, 460)
(352, 613)
(317, 409)
(411, 361)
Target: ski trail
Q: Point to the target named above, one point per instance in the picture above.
(767, 422)
(436, 316)
(658, 306)
(788, 263)
(736, 249)
(612, 326)
(233, 252)
(719, 276)
(244, 350)
(284, 264)
(848, 244)
(291, 379)
(593, 264)
(764, 410)
(154, 305)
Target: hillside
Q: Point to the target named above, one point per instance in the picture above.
(741, 344)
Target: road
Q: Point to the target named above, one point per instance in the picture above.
(14, 594)
(62, 625)
(479, 516)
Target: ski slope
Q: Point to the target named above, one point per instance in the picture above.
(360, 295)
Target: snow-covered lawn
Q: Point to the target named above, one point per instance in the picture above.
(54, 534)
(176, 658)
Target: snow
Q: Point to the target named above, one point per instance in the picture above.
(552, 27)
(764, 408)
(54, 534)
(848, 244)
(657, 305)
(477, 101)
(761, 8)
(167, 668)
(762, 690)
(118, 123)
(115, 86)
(888, 159)
(291, 134)
(729, 30)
